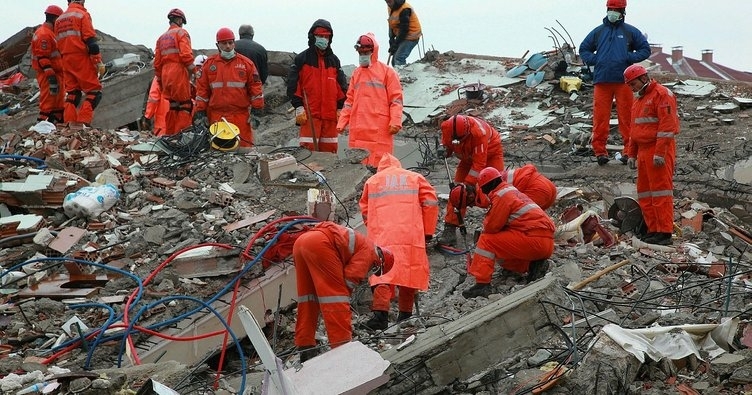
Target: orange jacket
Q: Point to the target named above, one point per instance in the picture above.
(655, 121)
(174, 46)
(229, 86)
(356, 252)
(400, 208)
(535, 185)
(45, 57)
(474, 151)
(73, 29)
(374, 102)
(512, 209)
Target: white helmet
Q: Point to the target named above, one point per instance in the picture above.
(199, 60)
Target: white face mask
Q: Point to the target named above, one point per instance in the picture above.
(613, 16)
(321, 43)
(227, 55)
(364, 60)
(641, 91)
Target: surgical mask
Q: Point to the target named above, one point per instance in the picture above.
(641, 91)
(321, 43)
(227, 55)
(364, 60)
(613, 16)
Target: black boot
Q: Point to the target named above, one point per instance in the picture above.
(404, 315)
(537, 269)
(307, 352)
(379, 321)
(659, 238)
(477, 290)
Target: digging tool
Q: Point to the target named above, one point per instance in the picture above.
(535, 78)
(516, 71)
(310, 122)
(457, 210)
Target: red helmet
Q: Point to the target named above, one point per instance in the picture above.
(176, 12)
(616, 4)
(632, 72)
(225, 34)
(54, 10)
(487, 175)
(456, 127)
(386, 260)
(364, 44)
(459, 196)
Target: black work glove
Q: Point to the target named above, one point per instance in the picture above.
(54, 87)
(200, 119)
(393, 45)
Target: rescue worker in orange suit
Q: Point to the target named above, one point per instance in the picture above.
(173, 67)
(404, 30)
(373, 107)
(612, 47)
(532, 183)
(330, 261)
(47, 63)
(477, 144)
(655, 124)
(400, 211)
(156, 109)
(82, 63)
(516, 232)
(228, 88)
(316, 87)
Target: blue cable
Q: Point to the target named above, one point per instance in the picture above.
(41, 164)
(110, 320)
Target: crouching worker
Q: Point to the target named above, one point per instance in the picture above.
(516, 232)
(330, 260)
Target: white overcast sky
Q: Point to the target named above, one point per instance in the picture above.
(490, 27)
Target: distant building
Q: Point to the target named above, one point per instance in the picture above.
(705, 67)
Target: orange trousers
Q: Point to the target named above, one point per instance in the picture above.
(82, 88)
(326, 135)
(176, 88)
(655, 190)
(603, 96)
(50, 106)
(513, 249)
(321, 290)
(383, 294)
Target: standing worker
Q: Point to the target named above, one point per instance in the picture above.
(228, 88)
(655, 124)
(478, 145)
(47, 63)
(532, 183)
(404, 31)
(82, 64)
(612, 47)
(330, 261)
(173, 67)
(400, 211)
(316, 87)
(373, 107)
(252, 50)
(516, 232)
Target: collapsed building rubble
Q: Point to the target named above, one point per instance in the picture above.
(189, 237)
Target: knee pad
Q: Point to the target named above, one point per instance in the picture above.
(186, 106)
(74, 97)
(94, 98)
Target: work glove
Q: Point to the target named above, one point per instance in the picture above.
(300, 116)
(54, 87)
(101, 69)
(339, 112)
(393, 45)
(658, 160)
(394, 129)
(632, 163)
(200, 119)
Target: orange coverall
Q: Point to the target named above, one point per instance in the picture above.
(156, 108)
(515, 232)
(330, 260)
(399, 209)
(480, 149)
(46, 61)
(535, 185)
(654, 128)
(73, 31)
(173, 66)
(373, 104)
(228, 89)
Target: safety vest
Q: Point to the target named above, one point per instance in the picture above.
(413, 31)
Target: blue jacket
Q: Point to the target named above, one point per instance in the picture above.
(611, 48)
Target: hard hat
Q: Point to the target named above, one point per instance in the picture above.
(456, 127)
(224, 135)
(364, 44)
(616, 4)
(632, 72)
(53, 10)
(505, 175)
(458, 196)
(487, 175)
(386, 260)
(177, 12)
(225, 34)
(199, 60)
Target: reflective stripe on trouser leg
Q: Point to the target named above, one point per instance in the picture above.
(513, 249)
(655, 191)
(326, 135)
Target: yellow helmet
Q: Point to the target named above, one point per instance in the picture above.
(224, 135)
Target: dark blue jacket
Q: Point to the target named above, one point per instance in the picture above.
(611, 48)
